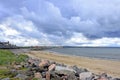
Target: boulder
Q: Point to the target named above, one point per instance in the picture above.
(116, 79)
(6, 79)
(38, 75)
(79, 70)
(17, 67)
(53, 76)
(43, 63)
(21, 77)
(104, 75)
(59, 68)
(63, 72)
(85, 76)
(103, 78)
(30, 61)
(43, 74)
(30, 73)
(52, 67)
(71, 76)
(65, 78)
(47, 75)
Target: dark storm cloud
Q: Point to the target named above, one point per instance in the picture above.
(103, 16)
(60, 19)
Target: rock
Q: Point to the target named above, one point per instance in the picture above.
(85, 76)
(79, 70)
(29, 73)
(71, 76)
(65, 75)
(30, 61)
(43, 78)
(59, 68)
(21, 76)
(43, 74)
(53, 62)
(65, 78)
(26, 65)
(56, 78)
(52, 67)
(38, 75)
(13, 70)
(116, 79)
(17, 67)
(6, 79)
(104, 75)
(103, 78)
(63, 72)
(22, 64)
(53, 76)
(47, 75)
(44, 63)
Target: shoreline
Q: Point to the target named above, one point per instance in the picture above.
(81, 56)
(94, 65)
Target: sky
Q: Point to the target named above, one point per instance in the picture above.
(60, 22)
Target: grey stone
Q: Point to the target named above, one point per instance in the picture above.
(38, 75)
(59, 68)
(6, 79)
(116, 79)
(65, 72)
(85, 76)
(17, 67)
(29, 73)
(71, 76)
(21, 76)
(79, 70)
(104, 75)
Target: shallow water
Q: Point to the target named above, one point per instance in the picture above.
(102, 53)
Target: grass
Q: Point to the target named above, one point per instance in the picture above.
(7, 57)
(4, 73)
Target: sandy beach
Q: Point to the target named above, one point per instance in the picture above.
(98, 66)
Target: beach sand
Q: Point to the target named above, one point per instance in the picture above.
(97, 66)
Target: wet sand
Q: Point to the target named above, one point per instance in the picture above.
(98, 66)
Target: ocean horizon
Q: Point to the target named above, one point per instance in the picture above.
(107, 53)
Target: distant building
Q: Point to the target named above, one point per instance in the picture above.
(7, 45)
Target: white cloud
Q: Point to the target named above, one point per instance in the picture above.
(21, 32)
(8, 31)
(80, 22)
(80, 40)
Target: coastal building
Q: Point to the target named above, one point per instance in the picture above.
(7, 45)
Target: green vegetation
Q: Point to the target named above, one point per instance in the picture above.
(5, 73)
(7, 57)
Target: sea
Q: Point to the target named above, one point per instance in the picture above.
(109, 53)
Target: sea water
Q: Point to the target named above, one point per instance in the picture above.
(92, 52)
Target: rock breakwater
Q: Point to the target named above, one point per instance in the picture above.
(41, 69)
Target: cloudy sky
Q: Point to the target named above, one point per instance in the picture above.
(60, 22)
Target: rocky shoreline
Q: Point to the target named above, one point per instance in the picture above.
(41, 69)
